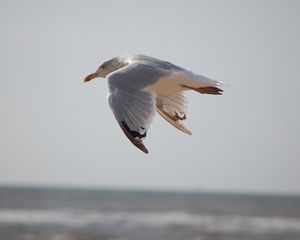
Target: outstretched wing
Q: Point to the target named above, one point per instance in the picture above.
(131, 102)
(173, 107)
(134, 111)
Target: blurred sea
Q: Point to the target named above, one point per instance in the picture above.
(81, 214)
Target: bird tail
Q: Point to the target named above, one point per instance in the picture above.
(206, 90)
(203, 85)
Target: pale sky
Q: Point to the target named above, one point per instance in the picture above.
(55, 130)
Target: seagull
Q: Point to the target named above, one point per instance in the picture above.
(139, 86)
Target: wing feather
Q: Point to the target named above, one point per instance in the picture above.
(173, 108)
(132, 103)
(134, 112)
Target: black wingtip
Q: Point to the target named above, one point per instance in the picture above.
(145, 150)
(134, 137)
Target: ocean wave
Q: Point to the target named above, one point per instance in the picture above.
(206, 223)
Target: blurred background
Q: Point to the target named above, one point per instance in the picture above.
(68, 172)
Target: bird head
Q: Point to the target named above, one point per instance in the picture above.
(106, 68)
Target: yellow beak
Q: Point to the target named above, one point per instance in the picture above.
(90, 77)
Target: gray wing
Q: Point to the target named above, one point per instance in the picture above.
(131, 102)
(157, 62)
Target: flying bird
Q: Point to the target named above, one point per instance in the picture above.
(139, 86)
